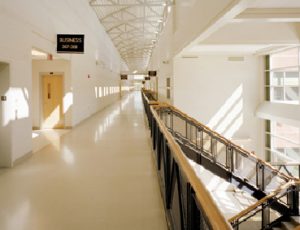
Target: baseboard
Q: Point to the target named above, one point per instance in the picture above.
(93, 114)
(64, 127)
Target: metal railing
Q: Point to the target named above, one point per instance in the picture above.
(188, 204)
(273, 189)
(290, 168)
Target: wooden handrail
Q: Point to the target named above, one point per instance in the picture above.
(285, 163)
(260, 202)
(201, 192)
(224, 140)
(209, 207)
(150, 102)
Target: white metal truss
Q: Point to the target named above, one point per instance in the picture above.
(134, 27)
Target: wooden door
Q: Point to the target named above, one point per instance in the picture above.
(53, 102)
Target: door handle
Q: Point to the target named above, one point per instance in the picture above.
(49, 91)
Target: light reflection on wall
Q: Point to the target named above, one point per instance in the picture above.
(127, 88)
(6, 113)
(20, 105)
(103, 91)
(35, 135)
(53, 119)
(229, 117)
(21, 102)
(67, 101)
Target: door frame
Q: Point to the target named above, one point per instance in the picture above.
(41, 104)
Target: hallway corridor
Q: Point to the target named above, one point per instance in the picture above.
(100, 175)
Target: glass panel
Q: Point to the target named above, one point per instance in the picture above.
(291, 78)
(168, 93)
(289, 170)
(277, 78)
(284, 76)
(191, 133)
(272, 180)
(207, 142)
(291, 134)
(199, 139)
(221, 153)
(285, 143)
(277, 93)
(179, 125)
(292, 94)
(245, 167)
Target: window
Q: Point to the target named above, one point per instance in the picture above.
(283, 74)
(168, 84)
(284, 146)
(282, 86)
(285, 142)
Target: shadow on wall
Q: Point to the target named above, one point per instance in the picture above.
(229, 118)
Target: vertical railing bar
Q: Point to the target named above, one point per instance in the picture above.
(186, 132)
(196, 136)
(170, 190)
(179, 196)
(172, 123)
(265, 218)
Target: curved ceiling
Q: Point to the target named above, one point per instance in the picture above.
(134, 27)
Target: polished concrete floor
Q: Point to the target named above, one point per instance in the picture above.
(100, 175)
(42, 138)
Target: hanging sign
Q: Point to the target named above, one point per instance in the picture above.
(124, 77)
(152, 73)
(70, 43)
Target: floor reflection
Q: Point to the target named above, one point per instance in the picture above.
(75, 181)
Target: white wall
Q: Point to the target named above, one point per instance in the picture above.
(35, 24)
(5, 127)
(223, 95)
(162, 61)
(187, 19)
(200, 87)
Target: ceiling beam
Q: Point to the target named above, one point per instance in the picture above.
(126, 23)
(139, 19)
(269, 14)
(136, 4)
(232, 10)
(114, 12)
